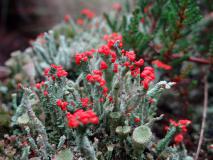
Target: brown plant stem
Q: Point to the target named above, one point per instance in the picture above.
(205, 107)
(193, 59)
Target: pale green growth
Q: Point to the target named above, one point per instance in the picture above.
(166, 140)
(159, 87)
(141, 137)
(86, 147)
(64, 155)
(25, 153)
(123, 131)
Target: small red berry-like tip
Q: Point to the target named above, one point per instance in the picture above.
(85, 102)
(142, 20)
(166, 128)
(62, 104)
(19, 86)
(45, 93)
(178, 138)
(80, 21)
(81, 117)
(110, 99)
(117, 6)
(67, 18)
(103, 65)
(137, 120)
(88, 13)
(162, 65)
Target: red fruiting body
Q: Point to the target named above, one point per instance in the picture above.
(184, 122)
(68, 115)
(142, 20)
(139, 63)
(117, 6)
(101, 99)
(115, 68)
(58, 71)
(120, 44)
(135, 72)
(40, 35)
(183, 129)
(85, 59)
(38, 85)
(113, 36)
(123, 51)
(19, 86)
(98, 72)
(84, 56)
(145, 84)
(178, 138)
(78, 58)
(45, 93)
(105, 50)
(42, 83)
(148, 75)
(59, 102)
(132, 67)
(80, 21)
(181, 124)
(94, 120)
(172, 122)
(147, 8)
(97, 78)
(113, 57)
(73, 123)
(103, 65)
(137, 120)
(46, 71)
(149, 68)
(110, 43)
(127, 64)
(102, 82)
(162, 65)
(53, 78)
(62, 104)
(56, 67)
(110, 99)
(81, 117)
(130, 55)
(151, 100)
(67, 18)
(61, 73)
(90, 78)
(105, 90)
(88, 13)
(112, 39)
(85, 102)
(166, 128)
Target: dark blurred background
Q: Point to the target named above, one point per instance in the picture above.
(23, 20)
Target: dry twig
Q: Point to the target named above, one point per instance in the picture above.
(205, 107)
